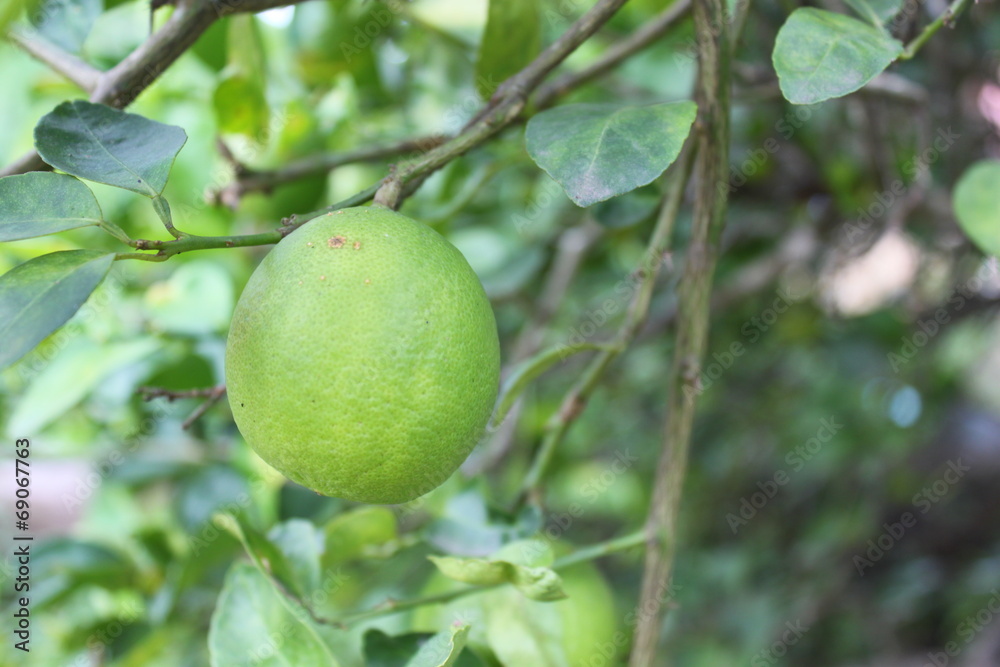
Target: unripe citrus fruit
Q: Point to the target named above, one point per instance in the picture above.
(363, 359)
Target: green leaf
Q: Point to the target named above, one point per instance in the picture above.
(67, 22)
(382, 650)
(819, 55)
(360, 532)
(599, 151)
(105, 145)
(536, 583)
(520, 635)
(72, 374)
(239, 100)
(41, 202)
(266, 556)
(240, 106)
(37, 297)
(300, 541)
(528, 370)
(513, 37)
(977, 205)
(443, 649)
(256, 625)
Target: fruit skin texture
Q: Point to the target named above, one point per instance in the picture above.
(363, 359)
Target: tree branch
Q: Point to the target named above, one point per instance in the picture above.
(712, 128)
(120, 85)
(504, 106)
(72, 68)
(249, 180)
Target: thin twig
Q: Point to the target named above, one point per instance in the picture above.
(572, 247)
(120, 85)
(708, 220)
(946, 18)
(503, 108)
(72, 68)
(212, 395)
(576, 398)
(250, 180)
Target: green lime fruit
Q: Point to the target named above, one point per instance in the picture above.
(363, 359)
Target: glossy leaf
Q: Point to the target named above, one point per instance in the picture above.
(977, 205)
(599, 151)
(512, 38)
(41, 202)
(255, 624)
(819, 55)
(105, 145)
(39, 296)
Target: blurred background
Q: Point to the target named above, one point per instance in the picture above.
(841, 503)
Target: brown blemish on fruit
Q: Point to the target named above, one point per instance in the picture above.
(322, 277)
(357, 245)
(336, 242)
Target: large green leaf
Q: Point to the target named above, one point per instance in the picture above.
(977, 204)
(513, 36)
(599, 151)
(819, 55)
(105, 145)
(256, 625)
(41, 202)
(37, 297)
(67, 22)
